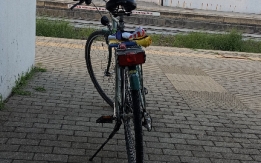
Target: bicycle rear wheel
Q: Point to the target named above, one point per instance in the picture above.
(133, 124)
(100, 64)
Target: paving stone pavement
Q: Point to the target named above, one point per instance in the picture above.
(206, 108)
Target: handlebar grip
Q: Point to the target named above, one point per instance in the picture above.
(87, 2)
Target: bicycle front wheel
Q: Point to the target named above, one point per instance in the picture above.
(100, 64)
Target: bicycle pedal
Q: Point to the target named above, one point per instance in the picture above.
(147, 123)
(105, 119)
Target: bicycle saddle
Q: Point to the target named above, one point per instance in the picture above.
(113, 5)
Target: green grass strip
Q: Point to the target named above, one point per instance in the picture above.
(23, 80)
(2, 103)
(61, 29)
(232, 41)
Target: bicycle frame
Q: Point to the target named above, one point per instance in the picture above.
(135, 72)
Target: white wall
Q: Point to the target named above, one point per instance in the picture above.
(158, 2)
(17, 41)
(242, 6)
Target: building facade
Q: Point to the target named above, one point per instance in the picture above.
(17, 41)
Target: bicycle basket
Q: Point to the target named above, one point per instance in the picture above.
(131, 56)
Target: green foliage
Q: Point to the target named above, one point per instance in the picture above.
(251, 46)
(231, 41)
(39, 69)
(40, 89)
(2, 104)
(23, 80)
(195, 40)
(60, 28)
(162, 40)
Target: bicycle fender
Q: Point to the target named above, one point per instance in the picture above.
(134, 81)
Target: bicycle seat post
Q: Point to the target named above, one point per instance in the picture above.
(121, 25)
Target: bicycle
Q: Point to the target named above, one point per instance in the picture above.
(121, 68)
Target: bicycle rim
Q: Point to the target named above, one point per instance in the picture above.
(133, 126)
(96, 56)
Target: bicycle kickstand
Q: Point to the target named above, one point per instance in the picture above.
(115, 130)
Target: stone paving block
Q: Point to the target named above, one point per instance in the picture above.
(225, 134)
(88, 133)
(164, 158)
(63, 122)
(43, 125)
(27, 161)
(34, 120)
(35, 149)
(226, 130)
(226, 144)
(246, 151)
(203, 154)
(29, 130)
(50, 157)
(183, 136)
(5, 160)
(160, 145)
(81, 159)
(72, 138)
(49, 116)
(217, 149)
(243, 135)
(194, 159)
(249, 131)
(112, 147)
(237, 156)
(59, 131)
(7, 129)
(214, 160)
(16, 155)
(177, 152)
(205, 128)
(76, 128)
(88, 146)
(173, 140)
(23, 141)
(52, 143)
(3, 140)
(12, 135)
(8, 147)
(154, 151)
(189, 147)
(200, 142)
(68, 151)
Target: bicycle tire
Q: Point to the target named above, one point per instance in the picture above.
(96, 56)
(133, 134)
